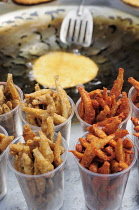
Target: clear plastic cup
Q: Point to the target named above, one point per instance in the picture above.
(135, 110)
(64, 128)
(44, 191)
(11, 120)
(84, 125)
(3, 169)
(137, 145)
(104, 191)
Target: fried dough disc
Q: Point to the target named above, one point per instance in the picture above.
(72, 69)
(30, 2)
(134, 3)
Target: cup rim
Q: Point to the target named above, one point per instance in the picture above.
(88, 125)
(56, 126)
(137, 142)
(129, 96)
(6, 134)
(40, 175)
(107, 175)
(21, 98)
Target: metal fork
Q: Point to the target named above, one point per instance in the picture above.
(77, 26)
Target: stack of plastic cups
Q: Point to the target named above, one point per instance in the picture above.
(3, 169)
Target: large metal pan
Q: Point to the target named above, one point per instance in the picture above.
(29, 33)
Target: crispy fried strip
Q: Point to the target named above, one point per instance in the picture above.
(134, 82)
(43, 164)
(118, 84)
(57, 158)
(65, 104)
(119, 152)
(89, 111)
(105, 169)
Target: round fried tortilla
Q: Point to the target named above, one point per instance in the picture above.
(134, 3)
(72, 69)
(30, 2)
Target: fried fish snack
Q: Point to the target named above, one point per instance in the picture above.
(38, 154)
(8, 96)
(5, 141)
(57, 157)
(45, 103)
(102, 153)
(89, 112)
(100, 106)
(118, 84)
(43, 164)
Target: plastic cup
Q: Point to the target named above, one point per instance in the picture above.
(3, 169)
(135, 110)
(44, 191)
(104, 191)
(84, 125)
(11, 120)
(137, 145)
(64, 128)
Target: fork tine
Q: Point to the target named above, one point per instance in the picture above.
(87, 35)
(82, 32)
(77, 31)
(71, 29)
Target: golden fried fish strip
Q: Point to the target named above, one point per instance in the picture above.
(5, 108)
(9, 80)
(88, 155)
(101, 154)
(31, 119)
(57, 158)
(28, 133)
(135, 121)
(127, 143)
(44, 165)
(134, 82)
(125, 105)
(89, 111)
(45, 148)
(36, 169)
(115, 106)
(50, 128)
(105, 168)
(103, 114)
(9, 104)
(15, 102)
(65, 104)
(38, 93)
(14, 92)
(98, 132)
(119, 152)
(58, 119)
(118, 84)
(93, 167)
(26, 164)
(120, 133)
(17, 149)
(2, 97)
(39, 100)
(17, 164)
(5, 142)
(111, 127)
(35, 112)
(77, 154)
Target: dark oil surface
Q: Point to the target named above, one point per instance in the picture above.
(115, 45)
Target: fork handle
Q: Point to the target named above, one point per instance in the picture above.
(80, 9)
